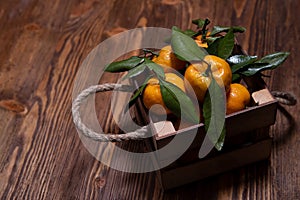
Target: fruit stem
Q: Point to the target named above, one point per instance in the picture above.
(146, 51)
(204, 30)
(208, 69)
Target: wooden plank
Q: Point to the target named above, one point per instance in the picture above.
(217, 164)
(42, 46)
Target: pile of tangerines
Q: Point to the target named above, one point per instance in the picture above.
(212, 62)
(238, 97)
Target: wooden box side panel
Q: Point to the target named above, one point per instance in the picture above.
(208, 167)
(242, 122)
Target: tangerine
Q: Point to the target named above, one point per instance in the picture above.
(152, 94)
(237, 98)
(167, 58)
(199, 75)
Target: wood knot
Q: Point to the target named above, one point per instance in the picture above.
(32, 27)
(100, 182)
(115, 31)
(13, 105)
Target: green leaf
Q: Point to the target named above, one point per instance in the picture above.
(137, 93)
(210, 40)
(219, 145)
(157, 69)
(185, 48)
(236, 78)
(268, 62)
(178, 102)
(199, 22)
(274, 59)
(240, 61)
(226, 45)
(223, 46)
(214, 107)
(237, 59)
(188, 32)
(124, 65)
(219, 29)
(212, 48)
(135, 71)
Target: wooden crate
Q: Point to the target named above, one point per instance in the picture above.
(247, 140)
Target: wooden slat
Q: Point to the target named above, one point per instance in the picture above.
(43, 44)
(217, 164)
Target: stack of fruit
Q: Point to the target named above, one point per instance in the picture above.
(196, 64)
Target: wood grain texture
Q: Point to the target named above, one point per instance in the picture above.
(43, 44)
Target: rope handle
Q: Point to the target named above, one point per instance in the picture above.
(285, 98)
(136, 135)
(282, 97)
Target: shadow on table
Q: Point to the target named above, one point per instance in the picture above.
(283, 137)
(246, 182)
(234, 184)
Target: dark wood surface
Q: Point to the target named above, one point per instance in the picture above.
(43, 43)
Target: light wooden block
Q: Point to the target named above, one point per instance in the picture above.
(164, 128)
(262, 96)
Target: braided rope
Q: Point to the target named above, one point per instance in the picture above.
(284, 98)
(136, 135)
